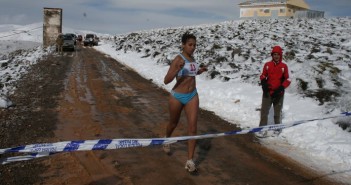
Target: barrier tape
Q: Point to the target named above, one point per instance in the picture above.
(46, 149)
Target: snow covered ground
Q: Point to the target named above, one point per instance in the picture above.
(316, 51)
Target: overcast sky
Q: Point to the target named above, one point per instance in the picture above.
(123, 16)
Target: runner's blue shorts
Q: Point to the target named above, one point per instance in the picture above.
(184, 98)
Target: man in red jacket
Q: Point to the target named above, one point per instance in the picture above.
(274, 80)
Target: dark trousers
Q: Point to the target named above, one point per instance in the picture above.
(266, 105)
(59, 48)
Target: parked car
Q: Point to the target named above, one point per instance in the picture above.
(74, 36)
(91, 40)
(69, 42)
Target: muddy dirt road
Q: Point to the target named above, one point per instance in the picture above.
(102, 99)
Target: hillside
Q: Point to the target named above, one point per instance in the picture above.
(316, 51)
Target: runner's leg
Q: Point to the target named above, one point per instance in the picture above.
(175, 110)
(191, 111)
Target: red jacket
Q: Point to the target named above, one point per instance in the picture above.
(276, 74)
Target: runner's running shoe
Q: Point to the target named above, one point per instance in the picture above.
(190, 166)
(167, 148)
